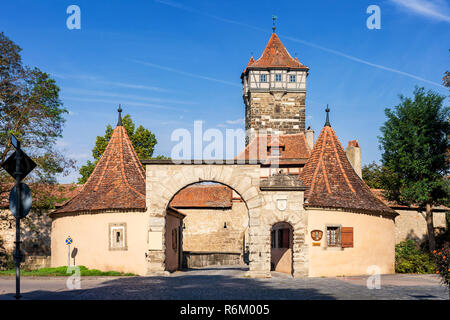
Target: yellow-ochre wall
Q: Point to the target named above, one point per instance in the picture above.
(90, 234)
(373, 244)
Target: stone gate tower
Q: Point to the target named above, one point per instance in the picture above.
(274, 90)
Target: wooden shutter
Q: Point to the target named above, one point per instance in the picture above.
(347, 237)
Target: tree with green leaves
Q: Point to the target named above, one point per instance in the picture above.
(143, 141)
(30, 109)
(414, 143)
(372, 174)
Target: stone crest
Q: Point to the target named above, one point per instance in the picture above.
(281, 204)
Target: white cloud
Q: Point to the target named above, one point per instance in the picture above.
(189, 74)
(124, 96)
(237, 121)
(124, 103)
(61, 144)
(434, 9)
(112, 83)
(79, 156)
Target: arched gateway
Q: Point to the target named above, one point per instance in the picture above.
(270, 200)
(122, 219)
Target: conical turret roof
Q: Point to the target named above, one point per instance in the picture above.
(332, 181)
(117, 182)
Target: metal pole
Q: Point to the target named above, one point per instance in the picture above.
(68, 257)
(17, 255)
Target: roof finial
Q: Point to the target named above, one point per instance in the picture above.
(273, 26)
(327, 122)
(119, 122)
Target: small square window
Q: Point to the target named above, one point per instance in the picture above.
(117, 236)
(263, 78)
(334, 236)
(278, 77)
(292, 78)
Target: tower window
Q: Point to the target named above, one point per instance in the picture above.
(292, 78)
(278, 77)
(263, 78)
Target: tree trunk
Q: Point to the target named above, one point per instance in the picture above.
(430, 227)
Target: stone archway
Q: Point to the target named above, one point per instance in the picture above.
(270, 200)
(215, 225)
(163, 181)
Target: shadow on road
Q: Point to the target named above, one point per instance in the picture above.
(186, 287)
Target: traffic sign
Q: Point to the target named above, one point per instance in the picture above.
(69, 241)
(26, 165)
(26, 200)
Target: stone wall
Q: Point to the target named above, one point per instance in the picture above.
(411, 224)
(277, 112)
(204, 229)
(35, 232)
(204, 259)
(285, 206)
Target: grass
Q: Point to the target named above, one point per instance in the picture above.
(62, 271)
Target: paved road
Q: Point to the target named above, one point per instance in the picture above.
(227, 283)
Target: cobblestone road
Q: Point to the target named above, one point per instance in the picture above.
(227, 283)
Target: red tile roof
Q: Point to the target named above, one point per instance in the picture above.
(62, 193)
(275, 55)
(203, 196)
(293, 148)
(332, 181)
(379, 194)
(117, 182)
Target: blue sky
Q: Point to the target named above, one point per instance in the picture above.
(169, 63)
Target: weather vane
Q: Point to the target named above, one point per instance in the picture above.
(274, 18)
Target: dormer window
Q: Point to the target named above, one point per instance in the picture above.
(263, 78)
(278, 77)
(292, 78)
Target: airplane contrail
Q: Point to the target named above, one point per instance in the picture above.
(310, 44)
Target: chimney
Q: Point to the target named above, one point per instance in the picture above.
(310, 137)
(353, 152)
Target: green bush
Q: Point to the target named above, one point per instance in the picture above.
(410, 259)
(441, 257)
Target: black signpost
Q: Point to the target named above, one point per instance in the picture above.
(19, 165)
